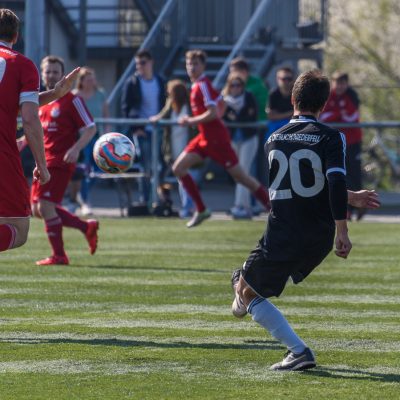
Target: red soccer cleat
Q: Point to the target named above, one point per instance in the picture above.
(91, 234)
(54, 260)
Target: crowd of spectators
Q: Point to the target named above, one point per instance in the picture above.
(247, 99)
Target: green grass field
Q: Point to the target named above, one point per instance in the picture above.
(148, 317)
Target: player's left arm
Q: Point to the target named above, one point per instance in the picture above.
(363, 199)
(72, 154)
(62, 87)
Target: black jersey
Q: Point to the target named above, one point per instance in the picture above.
(300, 157)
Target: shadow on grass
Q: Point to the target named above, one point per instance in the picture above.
(353, 374)
(152, 268)
(247, 345)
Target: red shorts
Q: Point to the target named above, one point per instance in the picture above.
(14, 190)
(219, 151)
(53, 190)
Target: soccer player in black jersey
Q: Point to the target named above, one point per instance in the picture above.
(307, 188)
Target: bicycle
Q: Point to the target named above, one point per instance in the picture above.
(381, 161)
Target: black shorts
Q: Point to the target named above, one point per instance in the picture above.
(268, 277)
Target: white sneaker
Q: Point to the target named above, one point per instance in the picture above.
(198, 218)
(239, 310)
(86, 210)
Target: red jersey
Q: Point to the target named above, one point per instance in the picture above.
(202, 96)
(61, 120)
(343, 108)
(19, 82)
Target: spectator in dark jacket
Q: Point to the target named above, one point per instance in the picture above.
(143, 96)
(241, 107)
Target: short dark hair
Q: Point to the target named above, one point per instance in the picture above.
(196, 54)
(286, 69)
(311, 91)
(239, 63)
(340, 76)
(144, 54)
(9, 25)
(53, 60)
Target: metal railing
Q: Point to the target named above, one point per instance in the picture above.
(122, 123)
(163, 40)
(256, 21)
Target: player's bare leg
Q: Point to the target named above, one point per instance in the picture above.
(252, 184)
(181, 170)
(13, 232)
(298, 356)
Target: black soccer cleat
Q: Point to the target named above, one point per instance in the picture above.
(296, 362)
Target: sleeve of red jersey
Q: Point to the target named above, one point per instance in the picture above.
(210, 95)
(81, 114)
(29, 82)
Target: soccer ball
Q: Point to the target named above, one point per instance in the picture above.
(113, 153)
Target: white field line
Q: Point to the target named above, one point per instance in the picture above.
(204, 325)
(241, 342)
(194, 309)
(247, 371)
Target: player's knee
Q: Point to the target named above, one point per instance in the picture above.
(36, 211)
(245, 292)
(177, 170)
(21, 236)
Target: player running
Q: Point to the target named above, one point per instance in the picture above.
(62, 121)
(213, 140)
(307, 187)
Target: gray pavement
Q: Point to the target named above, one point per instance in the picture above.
(109, 201)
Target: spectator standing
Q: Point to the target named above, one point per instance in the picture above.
(254, 85)
(142, 97)
(280, 108)
(343, 106)
(95, 99)
(241, 107)
(176, 137)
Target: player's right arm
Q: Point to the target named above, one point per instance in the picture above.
(34, 135)
(62, 87)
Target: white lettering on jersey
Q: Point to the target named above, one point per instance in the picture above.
(3, 65)
(295, 179)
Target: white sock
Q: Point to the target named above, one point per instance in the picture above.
(270, 318)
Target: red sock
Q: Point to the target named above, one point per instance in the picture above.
(193, 191)
(7, 237)
(70, 220)
(262, 196)
(54, 233)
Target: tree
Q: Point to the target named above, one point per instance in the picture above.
(364, 40)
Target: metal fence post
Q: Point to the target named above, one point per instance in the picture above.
(154, 180)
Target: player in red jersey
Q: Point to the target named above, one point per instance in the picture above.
(19, 89)
(212, 141)
(62, 121)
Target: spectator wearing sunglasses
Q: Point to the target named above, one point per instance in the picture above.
(143, 96)
(241, 107)
(280, 108)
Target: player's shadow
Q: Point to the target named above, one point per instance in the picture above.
(247, 345)
(153, 268)
(353, 374)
